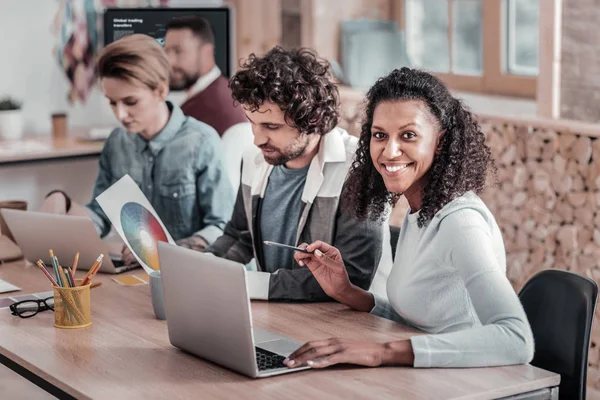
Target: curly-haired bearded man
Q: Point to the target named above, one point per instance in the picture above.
(293, 179)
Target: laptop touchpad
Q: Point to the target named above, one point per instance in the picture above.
(280, 346)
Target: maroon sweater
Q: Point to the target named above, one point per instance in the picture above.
(214, 106)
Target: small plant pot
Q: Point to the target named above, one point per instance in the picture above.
(11, 124)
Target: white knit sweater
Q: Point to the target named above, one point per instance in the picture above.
(449, 280)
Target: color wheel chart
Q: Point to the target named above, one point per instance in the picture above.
(142, 232)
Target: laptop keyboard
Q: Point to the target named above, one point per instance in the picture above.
(267, 360)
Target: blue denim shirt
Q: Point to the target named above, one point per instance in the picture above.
(180, 171)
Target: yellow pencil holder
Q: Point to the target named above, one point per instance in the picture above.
(72, 307)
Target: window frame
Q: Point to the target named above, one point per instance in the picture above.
(494, 79)
(510, 36)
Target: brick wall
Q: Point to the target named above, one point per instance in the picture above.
(580, 65)
(547, 203)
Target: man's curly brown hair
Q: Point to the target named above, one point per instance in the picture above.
(461, 164)
(297, 81)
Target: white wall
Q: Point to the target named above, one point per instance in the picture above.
(29, 72)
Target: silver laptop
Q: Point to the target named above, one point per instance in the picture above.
(208, 314)
(36, 233)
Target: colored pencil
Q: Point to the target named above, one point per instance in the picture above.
(89, 279)
(75, 261)
(40, 265)
(53, 271)
(63, 277)
(68, 275)
(54, 262)
(58, 268)
(98, 261)
(71, 275)
(43, 264)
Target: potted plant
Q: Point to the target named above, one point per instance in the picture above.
(11, 119)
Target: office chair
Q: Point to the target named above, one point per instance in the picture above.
(560, 306)
(394, 236)
(236, 140)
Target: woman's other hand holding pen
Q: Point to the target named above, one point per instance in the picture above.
(327, 266)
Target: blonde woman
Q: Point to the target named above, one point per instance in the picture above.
(175, 160)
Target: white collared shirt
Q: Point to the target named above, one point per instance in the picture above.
(203, 82)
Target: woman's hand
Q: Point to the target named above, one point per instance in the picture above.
(325, 353)
(127, 257)
(327, 267)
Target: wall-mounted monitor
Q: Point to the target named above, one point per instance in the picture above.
(119, 22)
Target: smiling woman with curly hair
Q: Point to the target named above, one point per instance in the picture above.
(449, 274)
(461, 160)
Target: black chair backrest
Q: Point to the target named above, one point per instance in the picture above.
(394, 236)
(560, 306)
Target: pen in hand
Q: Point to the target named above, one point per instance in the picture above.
(285, 246)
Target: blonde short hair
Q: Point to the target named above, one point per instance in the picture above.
(134, 58)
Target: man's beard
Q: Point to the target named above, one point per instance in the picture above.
(292, 151)
(185, 83)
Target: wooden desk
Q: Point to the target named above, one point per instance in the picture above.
(126, 354)
(32, 167)
(14, 387)
(34, 148)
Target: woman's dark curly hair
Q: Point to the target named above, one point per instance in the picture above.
(461, 163)
(297, 81)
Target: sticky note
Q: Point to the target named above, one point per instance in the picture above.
(129, 280)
